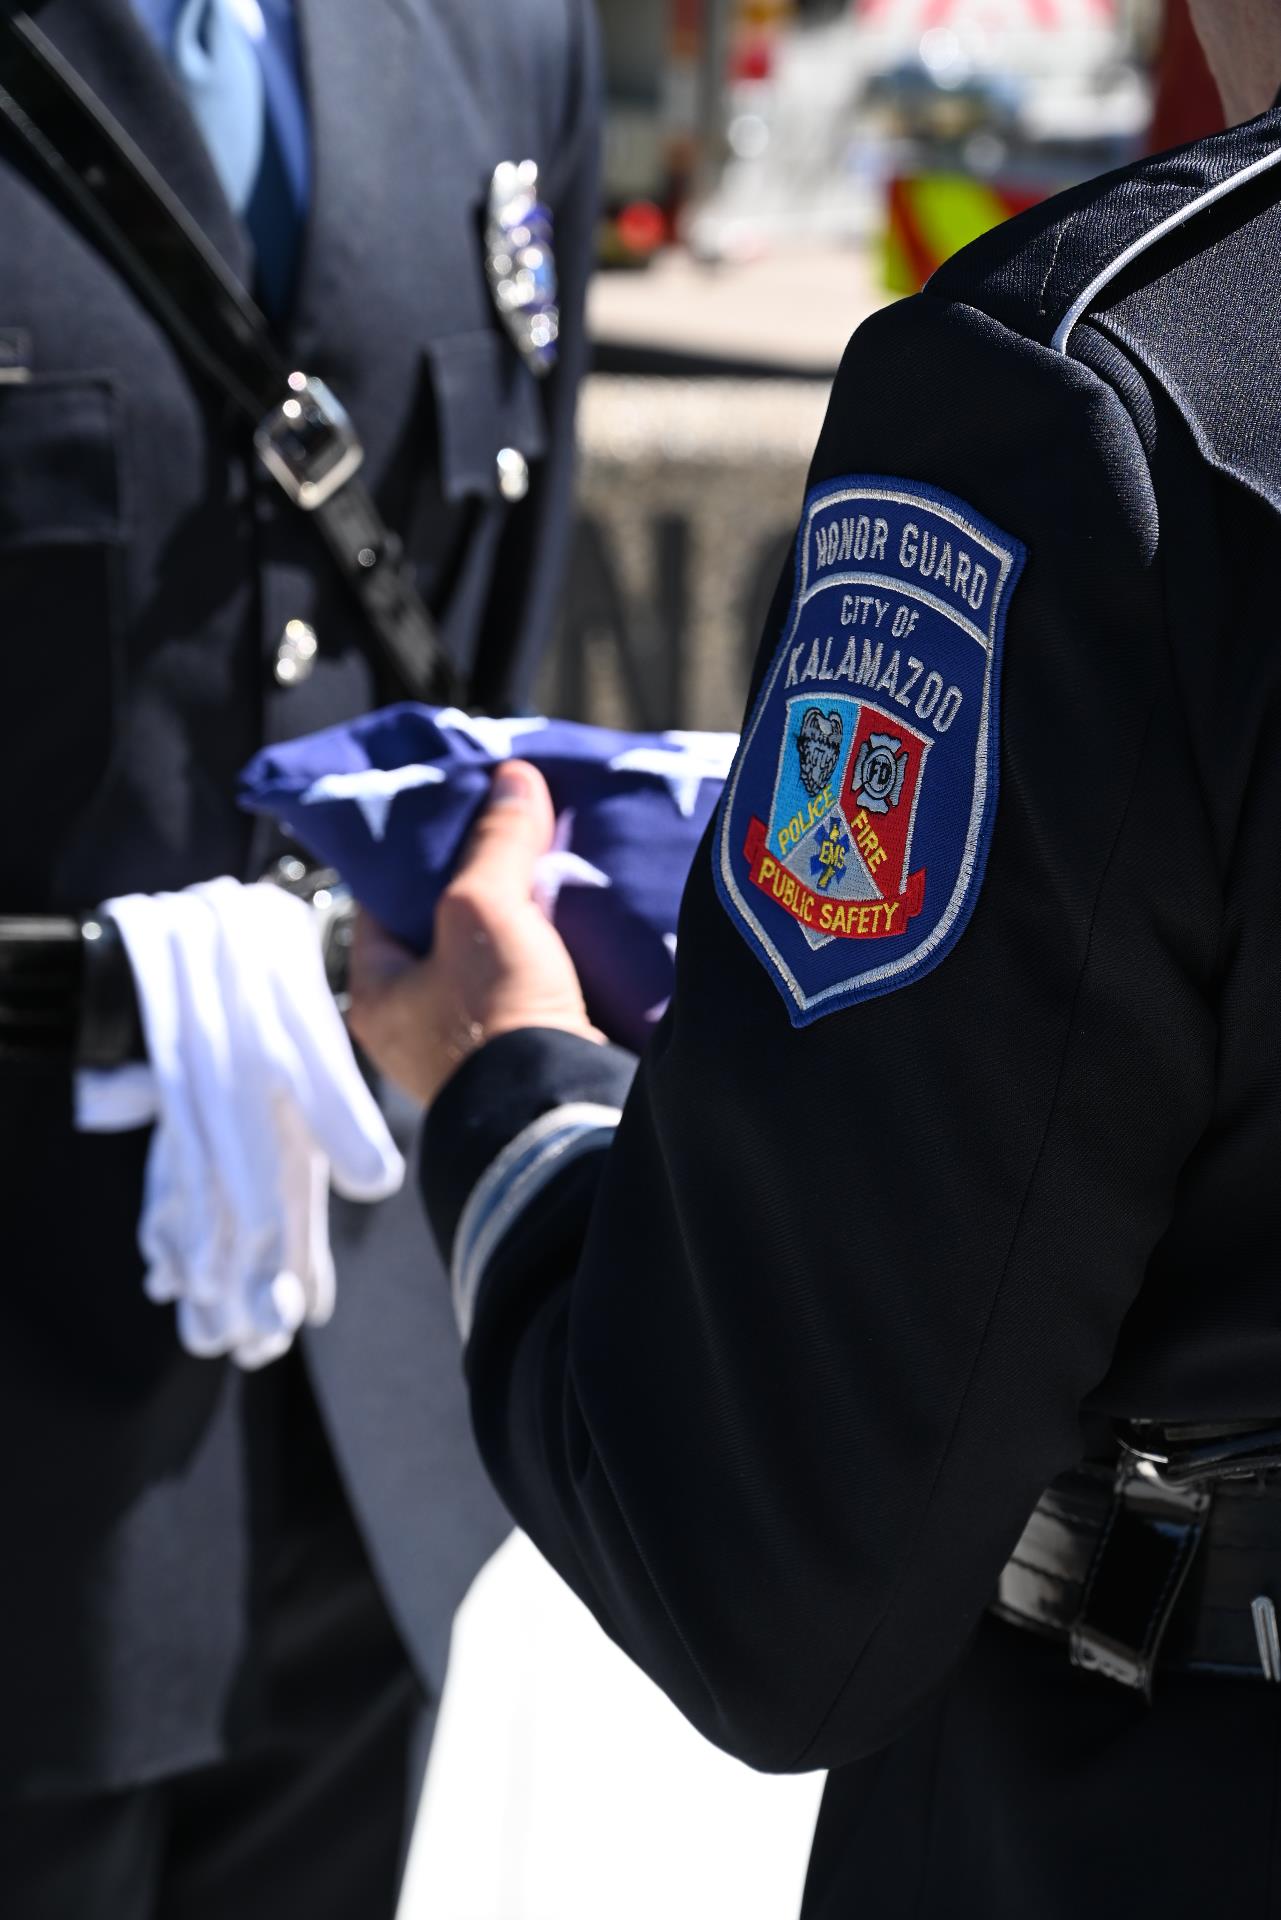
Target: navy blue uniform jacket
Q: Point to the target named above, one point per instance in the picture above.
(147, 571)
(800, 1350)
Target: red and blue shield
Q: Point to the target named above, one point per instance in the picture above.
(854, 828)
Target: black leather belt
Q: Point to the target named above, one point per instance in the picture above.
(1168, 1560)
(67, 993)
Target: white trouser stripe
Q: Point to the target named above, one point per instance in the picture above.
(514, 1179)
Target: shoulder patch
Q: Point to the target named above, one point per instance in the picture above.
(854, 829)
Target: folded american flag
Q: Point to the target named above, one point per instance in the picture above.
(389, 800)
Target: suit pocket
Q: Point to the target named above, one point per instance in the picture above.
(486, 400)
(59, 471)
(62, 527)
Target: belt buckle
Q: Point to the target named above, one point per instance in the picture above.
(1138, 1572)
(308, 443)
(1202, 1455)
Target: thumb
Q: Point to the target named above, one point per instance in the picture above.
(512, 833)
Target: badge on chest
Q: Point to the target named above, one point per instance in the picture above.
(855, 825)
(521, 263)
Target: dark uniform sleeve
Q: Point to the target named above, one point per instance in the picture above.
(776, 1379)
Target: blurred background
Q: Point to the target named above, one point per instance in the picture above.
(775, 170)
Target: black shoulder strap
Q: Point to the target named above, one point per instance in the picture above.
(302, 434)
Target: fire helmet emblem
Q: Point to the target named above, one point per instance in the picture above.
(879, 772)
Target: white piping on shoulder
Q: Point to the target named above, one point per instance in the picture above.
(519, 1174)
(1149, 239)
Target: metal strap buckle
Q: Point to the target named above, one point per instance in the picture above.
(1138, 1572)
(323, 890)
(1186, 1456)
(308, 443)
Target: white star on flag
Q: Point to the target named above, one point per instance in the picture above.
(717, 750)
(496, 737)
(373, 789)
(683, 766)
(655, 1014)
(561, 867)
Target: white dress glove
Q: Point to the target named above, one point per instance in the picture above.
(259, 1105)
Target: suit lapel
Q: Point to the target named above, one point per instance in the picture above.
(111, 50)
(386, 66)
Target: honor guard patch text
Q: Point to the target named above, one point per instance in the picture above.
(854, 829)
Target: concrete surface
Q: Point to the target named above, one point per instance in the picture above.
(796, 306)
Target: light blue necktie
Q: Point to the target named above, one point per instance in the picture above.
(221, 70)
(222, 77)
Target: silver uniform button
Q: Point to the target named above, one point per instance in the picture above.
(296, 654)
(513, 474)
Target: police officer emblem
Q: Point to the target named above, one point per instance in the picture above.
(854, 829)
(819, 744)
